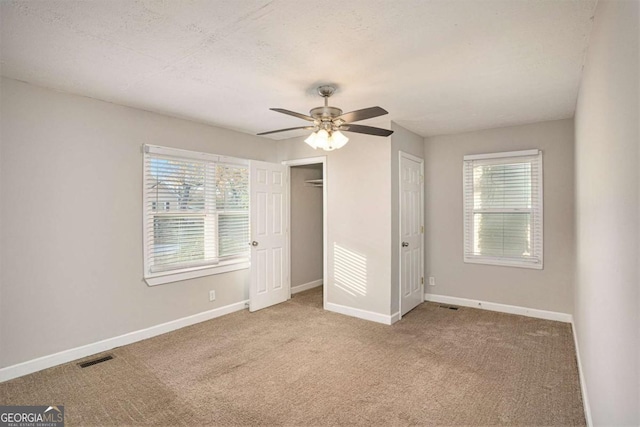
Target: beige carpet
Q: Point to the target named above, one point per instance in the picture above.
(296, 364)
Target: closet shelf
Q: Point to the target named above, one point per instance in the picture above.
(313, 183)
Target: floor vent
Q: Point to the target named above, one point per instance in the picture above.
(450, 307)
(94, 361)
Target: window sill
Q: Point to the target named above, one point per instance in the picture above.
(169, 277)
(504, 262)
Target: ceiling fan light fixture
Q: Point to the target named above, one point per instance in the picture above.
(322, 140)
(311, 140)
(338, 139)
(327, 141)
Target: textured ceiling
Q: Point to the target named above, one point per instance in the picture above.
(437, 66)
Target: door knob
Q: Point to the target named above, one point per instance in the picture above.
(405, 244)
(254, 243)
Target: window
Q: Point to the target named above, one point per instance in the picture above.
(503, 209)
(196, 214)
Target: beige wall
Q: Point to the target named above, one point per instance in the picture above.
(359, 218)
(548, 289)
(607, 207)
(71, 231)
(408, 142)
(306, 225)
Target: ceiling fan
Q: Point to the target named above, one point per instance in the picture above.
(329, 122)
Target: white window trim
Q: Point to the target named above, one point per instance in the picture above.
(222, 265)
(192, 273)
(492, 156)
(187, 154)
(504, 261)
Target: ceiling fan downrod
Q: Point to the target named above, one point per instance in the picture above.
(325, 113)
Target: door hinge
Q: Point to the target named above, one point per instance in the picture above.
(422, 229)
(422, 280)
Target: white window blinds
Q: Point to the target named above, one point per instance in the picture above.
(196, 210)
(503, 209)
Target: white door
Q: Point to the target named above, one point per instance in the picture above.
(269, 212)
(411, 232)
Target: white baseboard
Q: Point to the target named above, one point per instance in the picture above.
(583, 383)
(65, 356)
(360, 314)
(395, 317)
(503, 308)
(306, 286)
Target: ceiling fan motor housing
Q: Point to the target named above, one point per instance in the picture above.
(326, 113)
(325, 118)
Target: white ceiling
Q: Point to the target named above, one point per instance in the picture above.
(437, 66)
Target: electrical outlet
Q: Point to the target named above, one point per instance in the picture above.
(212, 295)
(432, 281)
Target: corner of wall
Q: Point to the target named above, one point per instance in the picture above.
(607, 138)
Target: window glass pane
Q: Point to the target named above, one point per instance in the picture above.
(502, 234)
(503, 209)
(196, 213)
(232, 188)
(232, 205)
(177, 240)
(176, 185)
(502, 186)
(233, 234)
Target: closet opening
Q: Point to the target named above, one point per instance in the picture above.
(307, 198)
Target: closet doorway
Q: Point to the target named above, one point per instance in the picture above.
(308, 231)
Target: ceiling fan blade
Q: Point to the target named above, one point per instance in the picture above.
(369, 130)
(284, 130)
(293, 113)
(365, 113)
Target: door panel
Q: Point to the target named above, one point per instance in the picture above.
(269, 264)
(260, 263)
(411, 237)
(277, 214)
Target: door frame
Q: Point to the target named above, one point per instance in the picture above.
(304, 162)
(401, 155)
